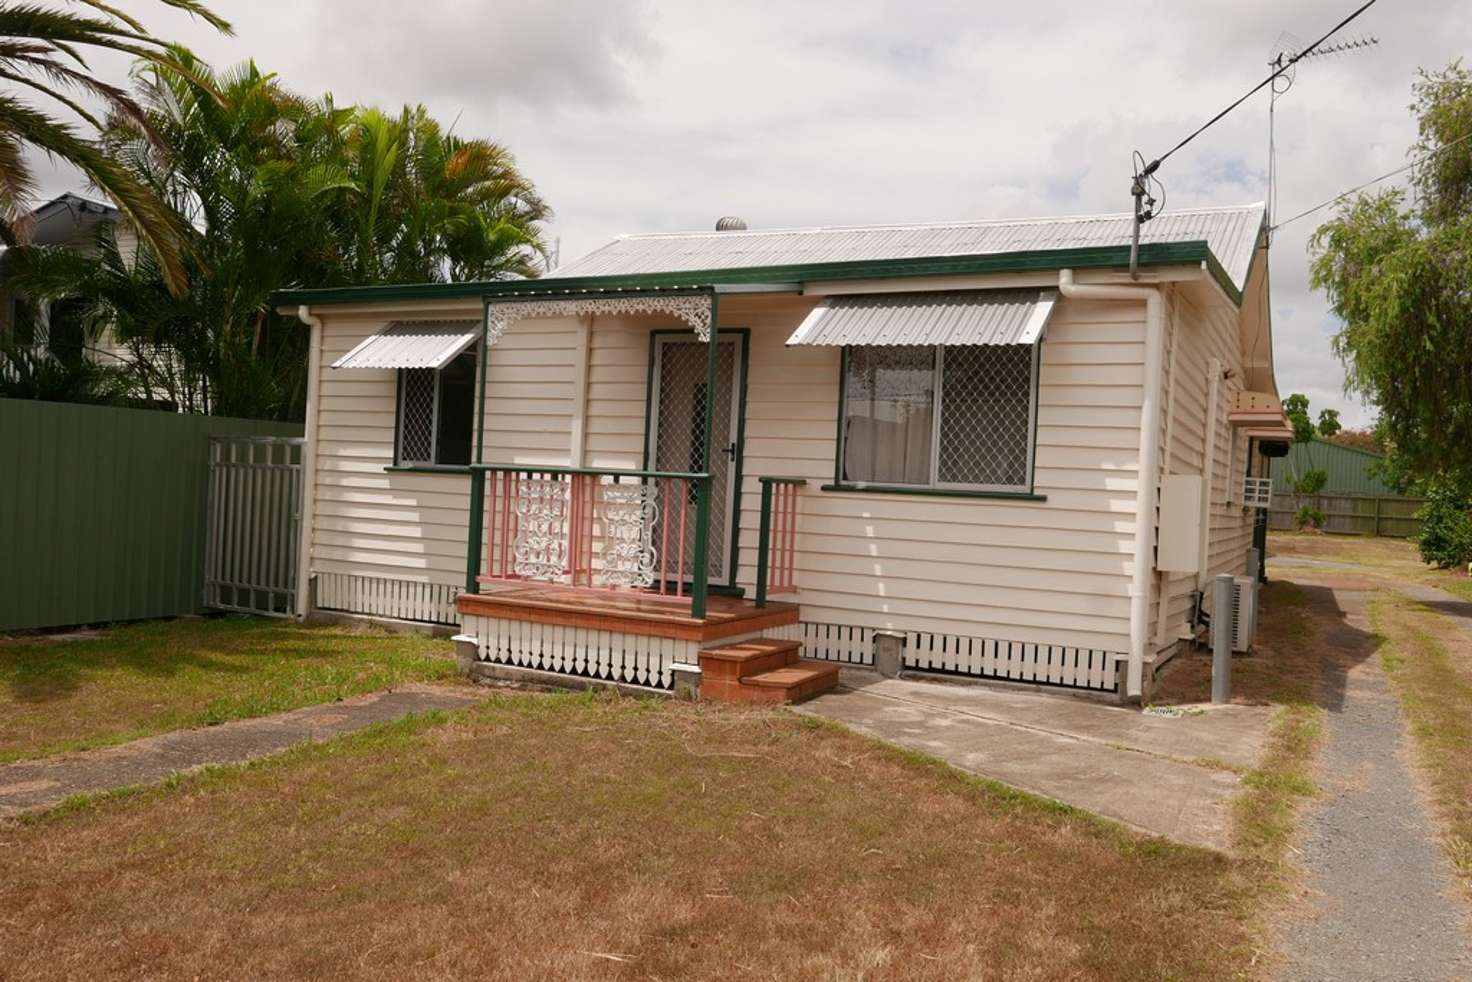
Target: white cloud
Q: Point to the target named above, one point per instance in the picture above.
(634, 115)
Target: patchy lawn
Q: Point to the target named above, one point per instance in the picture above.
(1291, 671)
(98, 689)
(1388, 558)
(570, 836)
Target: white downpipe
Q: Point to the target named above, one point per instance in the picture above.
(309, 461)
(1149, 468)
(1163, 579)
(1208, 468)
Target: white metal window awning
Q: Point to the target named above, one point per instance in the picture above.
(412, 344)
(950, 318)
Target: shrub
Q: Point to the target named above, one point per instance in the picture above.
(1445, 539)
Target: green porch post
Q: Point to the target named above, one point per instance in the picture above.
(700, 588)
(763, 544)
(478, 477)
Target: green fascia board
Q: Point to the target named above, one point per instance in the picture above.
(785, 278)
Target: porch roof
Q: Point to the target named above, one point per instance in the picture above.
(969, 317)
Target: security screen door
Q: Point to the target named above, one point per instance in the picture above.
(676, 432)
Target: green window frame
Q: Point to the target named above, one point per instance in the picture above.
(434, 415)
(952, 430)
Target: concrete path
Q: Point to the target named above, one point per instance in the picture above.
(1380, 889)
(35, 785)
(1142, 770)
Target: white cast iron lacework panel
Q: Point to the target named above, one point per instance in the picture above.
(540, 550)
(629, 513)
(693, 309)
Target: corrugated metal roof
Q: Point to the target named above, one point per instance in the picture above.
(969, 317)
(412, 344)
(1231, 233)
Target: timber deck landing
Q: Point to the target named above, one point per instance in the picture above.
(631, 612)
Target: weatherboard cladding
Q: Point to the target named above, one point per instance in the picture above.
(1231, 233)
(412, 344)
(953, 318)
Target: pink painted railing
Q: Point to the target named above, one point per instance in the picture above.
(592, 529)
(776, 563)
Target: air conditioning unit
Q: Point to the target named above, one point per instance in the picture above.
(1244, 612)
(1257, 492)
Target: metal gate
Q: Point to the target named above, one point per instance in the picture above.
(254, 507)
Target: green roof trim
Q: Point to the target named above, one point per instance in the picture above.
(1091, 257)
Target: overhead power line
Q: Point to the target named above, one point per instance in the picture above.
(1144, 178)
(1155, 164)
(1383, 177)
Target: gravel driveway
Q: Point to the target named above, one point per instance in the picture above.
(1381, 892)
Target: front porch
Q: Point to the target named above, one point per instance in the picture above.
(631, 573)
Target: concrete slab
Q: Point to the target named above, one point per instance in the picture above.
(1231, 734)
(1110, 760)
(34, 785)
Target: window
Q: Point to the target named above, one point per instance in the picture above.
(944, 417)
(437, 413)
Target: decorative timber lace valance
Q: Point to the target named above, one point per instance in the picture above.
(693, 309)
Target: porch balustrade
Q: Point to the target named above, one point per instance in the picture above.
(596, 529)
(776, 560)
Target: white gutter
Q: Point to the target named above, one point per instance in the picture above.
(1149, 467)
(309, 462)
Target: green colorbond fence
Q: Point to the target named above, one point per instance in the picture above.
(1348, 469)
(102, 511)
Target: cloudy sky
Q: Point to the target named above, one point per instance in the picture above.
(640, 115)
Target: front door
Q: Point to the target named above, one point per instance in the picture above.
(677, 429)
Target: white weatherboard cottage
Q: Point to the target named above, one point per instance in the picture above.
(985, 436)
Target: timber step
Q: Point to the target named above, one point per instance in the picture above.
(766, 671)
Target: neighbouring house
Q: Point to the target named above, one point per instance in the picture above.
(71, 222)
(725, 449)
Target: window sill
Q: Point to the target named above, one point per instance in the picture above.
(934, 492)
(428, 468)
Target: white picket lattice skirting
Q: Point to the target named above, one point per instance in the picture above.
(846, 643)
(1048, 664)
(613, 656)
(381, 596)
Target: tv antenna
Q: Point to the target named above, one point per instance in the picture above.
(1144, 177)
(1286, 52)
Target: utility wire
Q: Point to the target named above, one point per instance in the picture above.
(1360, 187)
(1258, 87)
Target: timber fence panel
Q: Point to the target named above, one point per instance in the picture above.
(103, 511)
(1351, 514)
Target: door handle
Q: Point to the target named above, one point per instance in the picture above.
(731, 452)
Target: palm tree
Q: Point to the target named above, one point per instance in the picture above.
(277, 190)
(41, 49)
(426, 205)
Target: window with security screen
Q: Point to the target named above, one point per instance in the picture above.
(437, 413)
(951, 417)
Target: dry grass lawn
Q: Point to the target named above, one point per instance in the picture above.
(1393, 559)
(101, 688)
(597, 837)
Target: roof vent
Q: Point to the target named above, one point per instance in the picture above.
(730, 223)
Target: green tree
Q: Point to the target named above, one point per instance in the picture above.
(41, 49)
(278, 191)
(1396, 271)
(1312, 480)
